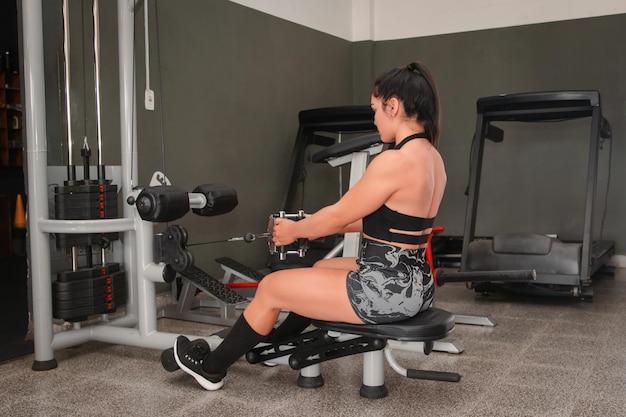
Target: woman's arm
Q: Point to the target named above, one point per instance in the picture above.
(380, 180)
(356, 226)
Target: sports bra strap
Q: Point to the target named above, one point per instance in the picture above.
(420, 135)
(379, 224)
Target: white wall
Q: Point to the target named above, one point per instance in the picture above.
(357, 20)
(397, 19)
(329, 16)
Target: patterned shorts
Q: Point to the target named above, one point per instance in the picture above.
(390, 284)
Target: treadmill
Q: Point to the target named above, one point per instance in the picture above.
(563, 268)
(324, 127)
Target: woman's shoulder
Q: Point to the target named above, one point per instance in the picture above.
(389, 160)
(422, 156)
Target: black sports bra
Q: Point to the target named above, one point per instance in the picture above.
(379, 223)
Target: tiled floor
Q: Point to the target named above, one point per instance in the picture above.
(544, 358)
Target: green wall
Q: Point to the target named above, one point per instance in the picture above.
(233, 81)
(230, 81)
(535, 180)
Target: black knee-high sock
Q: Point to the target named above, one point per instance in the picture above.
(237, 343)
(292, 325)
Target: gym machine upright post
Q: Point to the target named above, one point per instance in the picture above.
(138, 326)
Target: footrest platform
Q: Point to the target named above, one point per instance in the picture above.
(212, 286)
(240, 269)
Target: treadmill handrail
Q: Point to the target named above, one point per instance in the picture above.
(338, 119)
(536, 106)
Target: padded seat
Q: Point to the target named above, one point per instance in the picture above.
(432, 324)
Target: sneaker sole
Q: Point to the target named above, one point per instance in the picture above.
(206, 384)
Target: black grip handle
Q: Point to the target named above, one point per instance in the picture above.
(433, 375)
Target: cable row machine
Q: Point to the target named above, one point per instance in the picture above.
(147, 259)
(563, 268)
(318, 128)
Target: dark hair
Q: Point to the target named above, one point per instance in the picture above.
(415, 87)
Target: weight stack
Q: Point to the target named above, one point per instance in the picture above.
(89, 200)
(85, 292)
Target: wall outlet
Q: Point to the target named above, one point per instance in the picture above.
(149, 100)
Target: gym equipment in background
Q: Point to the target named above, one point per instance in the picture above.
(318, 129)
(322, 127)
(86, 289)
(563, 268)
(357, 152)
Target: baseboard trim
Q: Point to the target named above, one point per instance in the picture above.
(617, 261)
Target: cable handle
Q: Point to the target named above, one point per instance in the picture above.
(282, 251)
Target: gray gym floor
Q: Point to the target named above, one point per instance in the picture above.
(544, 358)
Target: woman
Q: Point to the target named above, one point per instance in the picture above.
(393, 205)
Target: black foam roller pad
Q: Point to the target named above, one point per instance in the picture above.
(220, 199)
